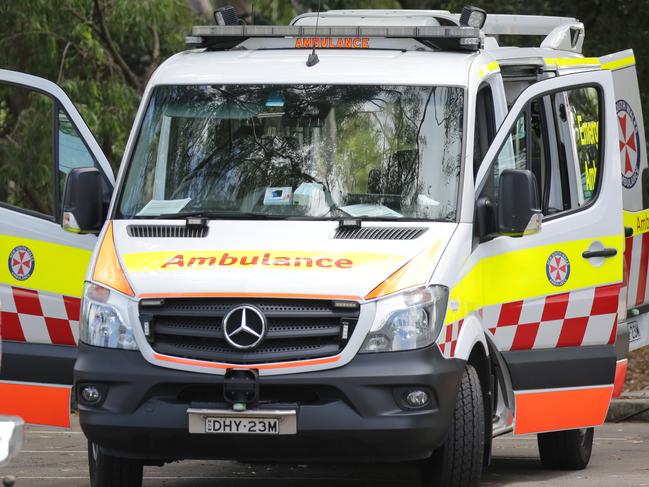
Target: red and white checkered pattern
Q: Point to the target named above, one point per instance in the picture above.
(636, 263)
(27, 315)
(449, 338)
(577, 318)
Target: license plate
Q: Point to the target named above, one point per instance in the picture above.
(253, 422)
(634, 332)
(225, 425)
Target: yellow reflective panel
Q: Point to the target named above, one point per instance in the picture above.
(489, 68)
(572, 61)
(194, 260)
(620, 63)
(637, 220)
(55, 268)
(522, 274)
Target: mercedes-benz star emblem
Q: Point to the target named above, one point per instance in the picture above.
(244, 327)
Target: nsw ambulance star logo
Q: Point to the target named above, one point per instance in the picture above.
(557, 268)
(629, 143)
(21, 263)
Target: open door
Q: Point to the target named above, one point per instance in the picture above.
(551, 298)
(635, 190)
(42, 138)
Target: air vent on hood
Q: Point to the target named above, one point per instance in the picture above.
(166, 231)
(380, 233)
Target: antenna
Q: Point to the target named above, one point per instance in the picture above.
(313, 57)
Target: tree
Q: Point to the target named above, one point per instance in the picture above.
(101, 52)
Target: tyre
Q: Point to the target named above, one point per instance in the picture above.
(566, 450)
(109, 471)
(458, 462)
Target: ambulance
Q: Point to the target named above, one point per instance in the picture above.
(370, 235)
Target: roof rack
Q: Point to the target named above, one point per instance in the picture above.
(523, 25)
(562, 33)
(448, 38)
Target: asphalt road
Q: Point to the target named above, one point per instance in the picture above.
(620, 458)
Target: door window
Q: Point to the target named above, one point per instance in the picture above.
(26, 155)
(557, 137)
(39, 146)
(584, 112)
(72, 151)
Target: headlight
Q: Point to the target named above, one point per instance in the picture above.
(102, 323)
(408, 320)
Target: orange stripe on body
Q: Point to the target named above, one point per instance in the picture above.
(413, 273)
(107, 269)
(250, 295)
(213, 365)
(36, 404)
(553, 410)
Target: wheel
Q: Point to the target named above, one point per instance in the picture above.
(109, 471)
(566, 450)
(458, 462)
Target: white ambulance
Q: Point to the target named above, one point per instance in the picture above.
(367, 236)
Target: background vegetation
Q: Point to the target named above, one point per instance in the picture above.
(103, 51)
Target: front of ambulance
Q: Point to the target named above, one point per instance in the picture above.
(263, 287)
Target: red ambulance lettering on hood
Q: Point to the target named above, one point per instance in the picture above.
(228, 260)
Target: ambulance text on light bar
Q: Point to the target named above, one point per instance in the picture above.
(333, 42)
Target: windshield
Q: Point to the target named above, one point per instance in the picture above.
(307, 151)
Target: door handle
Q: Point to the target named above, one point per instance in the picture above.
(606, 253)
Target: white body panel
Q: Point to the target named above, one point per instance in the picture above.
(372, 261)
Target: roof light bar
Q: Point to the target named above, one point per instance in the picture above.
(441, 37)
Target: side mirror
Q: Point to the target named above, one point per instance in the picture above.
(83, 205)
(519, 211)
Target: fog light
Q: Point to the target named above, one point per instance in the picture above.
(90, 394)
(417, 398)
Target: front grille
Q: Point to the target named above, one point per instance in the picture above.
(298, 329)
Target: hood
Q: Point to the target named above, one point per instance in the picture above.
(272, 258)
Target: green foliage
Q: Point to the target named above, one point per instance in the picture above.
(26, 136)
(101, 52)
(611, 25)
(282, 11)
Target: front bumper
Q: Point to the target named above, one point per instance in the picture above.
(351, 413)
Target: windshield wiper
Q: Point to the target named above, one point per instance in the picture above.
(217, 215)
